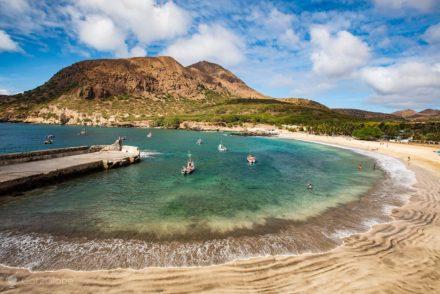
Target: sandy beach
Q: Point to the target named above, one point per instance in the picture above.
(402, 256)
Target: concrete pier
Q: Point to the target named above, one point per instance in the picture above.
(36, 170)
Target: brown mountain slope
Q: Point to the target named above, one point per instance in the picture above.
(215, 74)
(424, 115)
(430, 112)
(126, 87)
(305, 103)
(405, 113)
(365, 114)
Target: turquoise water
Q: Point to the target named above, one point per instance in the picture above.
(151, 201)
(153, 198)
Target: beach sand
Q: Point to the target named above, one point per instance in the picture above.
(402, 256)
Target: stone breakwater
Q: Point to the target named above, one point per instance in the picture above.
(29, 170)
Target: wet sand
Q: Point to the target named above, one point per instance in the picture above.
(397, 257)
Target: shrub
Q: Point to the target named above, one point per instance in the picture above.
(367, 133)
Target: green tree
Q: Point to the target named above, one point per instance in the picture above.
(367, 133)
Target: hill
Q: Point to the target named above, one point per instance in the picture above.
(363, 114)
(405, 113)
(142, 90)
(99, 90)
(424, 115)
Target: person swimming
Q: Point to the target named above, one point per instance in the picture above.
(360, 166)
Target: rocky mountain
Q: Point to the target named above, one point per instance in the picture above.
(126, 89)
(405, 113)
(430, 112)
(363, 114)
(424, 115)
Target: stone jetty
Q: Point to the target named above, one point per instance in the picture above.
(28, 170)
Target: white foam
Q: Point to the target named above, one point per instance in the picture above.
(148, 153)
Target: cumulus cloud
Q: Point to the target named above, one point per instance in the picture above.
(432, 34)
(408, 84)
(100, 33)
(6, 43)
(337, 55)
(212, 43)
(395, 5)
(109, 25)
(274, 25)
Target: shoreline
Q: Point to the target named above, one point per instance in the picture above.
(419, 163)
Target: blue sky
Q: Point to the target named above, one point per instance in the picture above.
(380, 55)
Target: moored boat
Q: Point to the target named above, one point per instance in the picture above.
(199, 141)
(251, 159)
(49, 139)
(189, 168)
(149, 135)
(221, 147)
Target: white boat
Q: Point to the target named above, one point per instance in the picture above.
(251, 159)
(49, 139)
(149, 135)
(222, 148)
(199, 141)
(189, 168)
(83, 131)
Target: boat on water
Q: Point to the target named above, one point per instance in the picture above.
(49, 139)
(189, 167)
(221, 147)
(199, 141)
(83, 132)
(251, 159)
(149, 135)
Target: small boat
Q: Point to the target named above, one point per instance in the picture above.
(189, 168)
(83, 132)
(149, 135)
(221, 147)
(251, 159)
(199, 141)
(49, 139)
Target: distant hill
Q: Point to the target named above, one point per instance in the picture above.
(424, 115)
(430, 112)
(405, 113)
(305, 103)
(363, 114)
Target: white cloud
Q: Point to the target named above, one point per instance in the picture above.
(337, 55)
(101, 33)
(212, 43)
(407, 84)
(4, 92)
(274, 25)
(432, 34)
(419, 5)
(144, 20)
(289, 39)
(17, 6)
(7, 44)
(137, 51)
